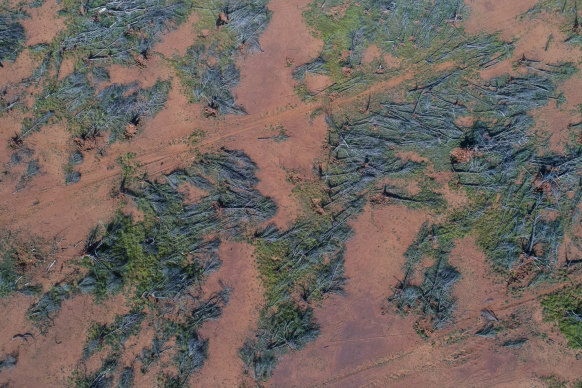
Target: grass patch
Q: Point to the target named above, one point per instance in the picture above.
(564, 308)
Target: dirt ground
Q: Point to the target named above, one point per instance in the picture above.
(361, 344)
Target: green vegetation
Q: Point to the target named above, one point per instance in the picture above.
(277, 138)
(131, 170)
(513, 190)
(195, 137)
(117, 110)
(305, 262)
(564, 307)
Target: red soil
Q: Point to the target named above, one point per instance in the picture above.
(224, 368)
(354, 332)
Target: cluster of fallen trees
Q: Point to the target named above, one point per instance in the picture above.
(97, 34)
(208, 70)
(100, 33)
(211, 83)
(537, 196)
(568, 9)
(12, 34)
(113, 335)
(418, 22)
(290, 327)
(162, 259)
(93, 113)
(432, 296)
(190, 350)
(172, 247)
(247, 20)
(498, 155)
(117, 110)
(120, 31)
(421, 31)
(304, 261)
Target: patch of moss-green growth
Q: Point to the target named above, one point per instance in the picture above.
(267, 255)
(564, 308)
(195, 137)
(337, 32)
(131, 169)
(137, 269)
